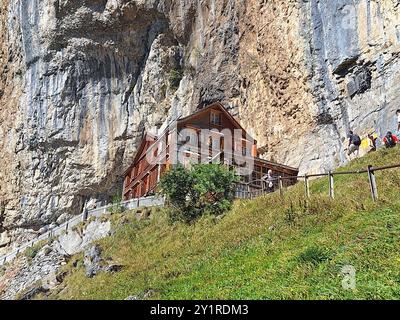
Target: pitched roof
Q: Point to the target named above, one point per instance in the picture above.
(215, 105)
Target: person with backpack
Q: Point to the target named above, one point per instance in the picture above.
(390, 140)
(354, 143)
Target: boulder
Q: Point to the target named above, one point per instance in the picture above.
(31, 293)
(73, 242)
(113, 268)
(92, 260)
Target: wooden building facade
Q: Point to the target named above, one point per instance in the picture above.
(183, 143)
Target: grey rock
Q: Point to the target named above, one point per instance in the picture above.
(359, 82)
(42, 272)
(47, 249)
(43, 229)
(38, 273)
(73, 242)
(51, 281)
(143, 296)
(92, 259)
(113, 268)
(30, 294)
(148, 294)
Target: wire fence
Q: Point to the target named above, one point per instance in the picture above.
(153, 201)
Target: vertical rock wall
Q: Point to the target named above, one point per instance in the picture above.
(81, 81)
(313, 70)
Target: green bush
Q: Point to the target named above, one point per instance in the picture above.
(200, 189)
(32, 252)
(116, 206)
(175, 77)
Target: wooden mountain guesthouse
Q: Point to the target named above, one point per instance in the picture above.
(142, 177)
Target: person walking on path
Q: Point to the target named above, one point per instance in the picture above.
(354, 144)
(269, 180)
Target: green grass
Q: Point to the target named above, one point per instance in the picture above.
(31, 252)
(267, 248)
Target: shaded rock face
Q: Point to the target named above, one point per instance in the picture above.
(87, 91)
(316, 69)
(81, 81)
(40, 274)
(92, 259)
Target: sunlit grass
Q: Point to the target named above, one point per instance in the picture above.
(267, 248)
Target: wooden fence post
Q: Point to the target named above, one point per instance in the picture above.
(307, 186)
(248, 191)
(280, 184)
(372, 182)
(331, 185)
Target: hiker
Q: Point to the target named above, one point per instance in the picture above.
(390, 140)
(398, 119)
(354, 143)
(268, 179)
(372, 142)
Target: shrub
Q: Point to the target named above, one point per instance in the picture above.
(32, 252)
(175, 77)
(116, 206)
(200, 189)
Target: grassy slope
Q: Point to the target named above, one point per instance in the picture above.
(268, 248)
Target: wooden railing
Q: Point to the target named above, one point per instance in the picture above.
(370, 171)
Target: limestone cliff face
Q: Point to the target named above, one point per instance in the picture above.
(81, 80)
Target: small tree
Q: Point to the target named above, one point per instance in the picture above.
(203, 188)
